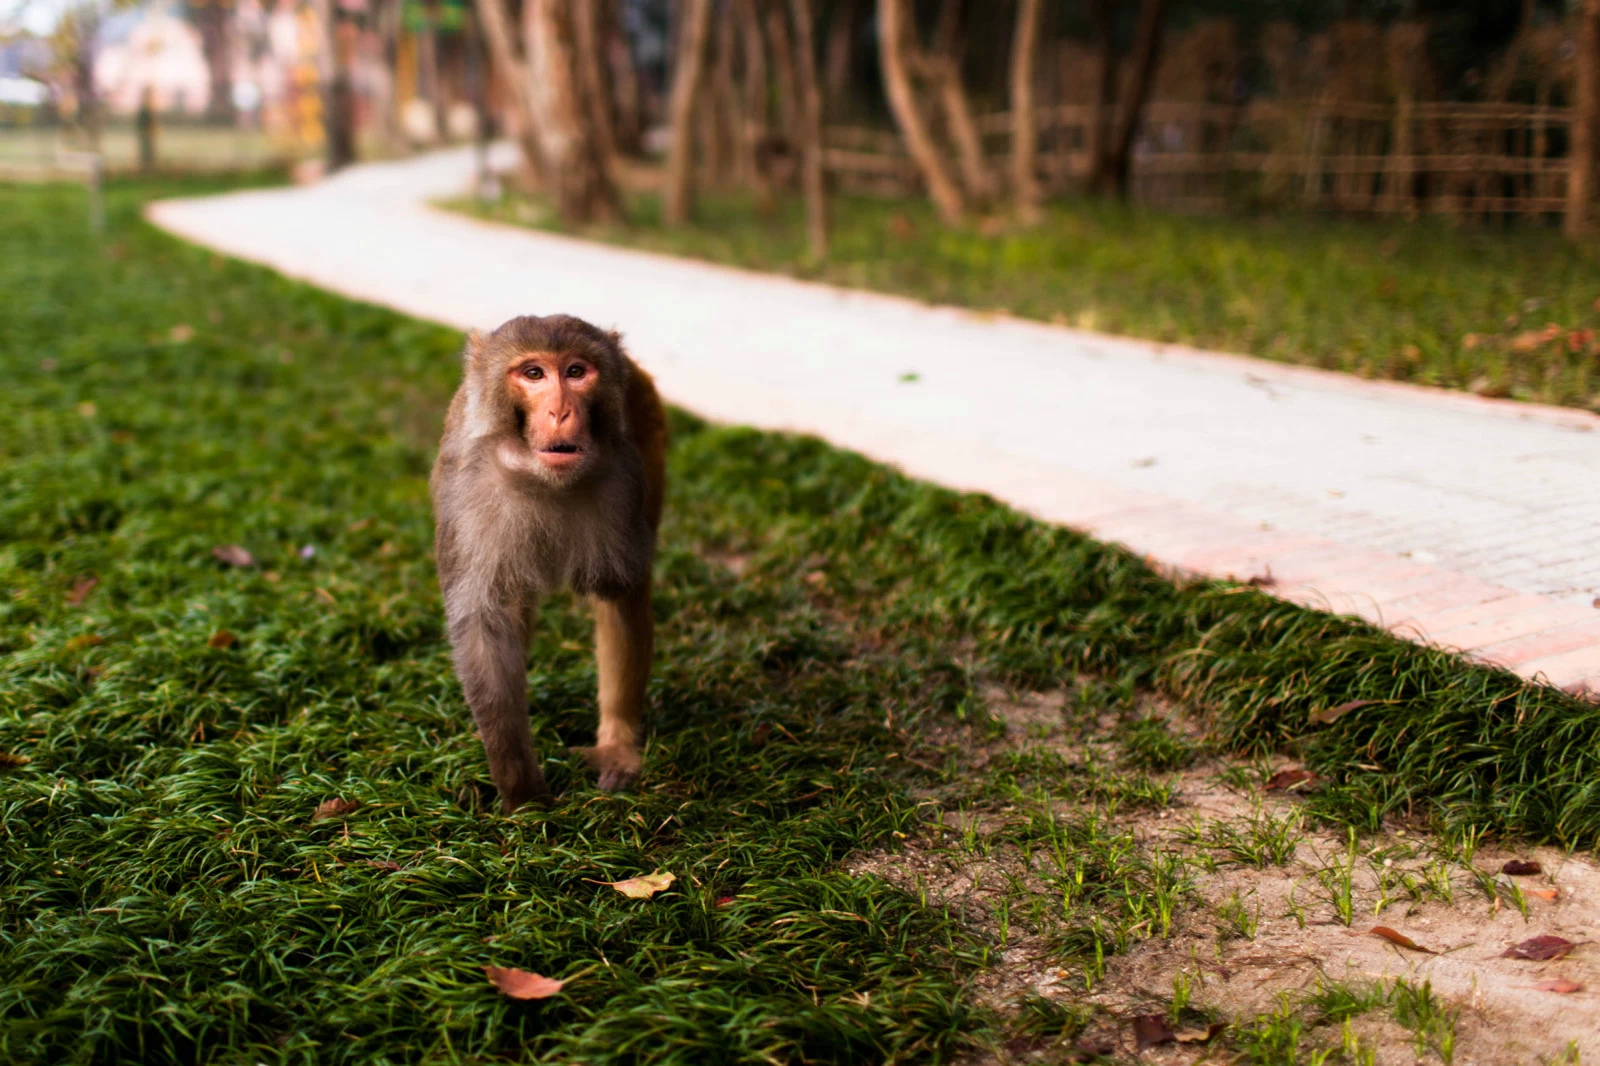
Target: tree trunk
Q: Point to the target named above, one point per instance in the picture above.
(428, 66)
(945, 76)
(1099, 131)
(578, 173)
(1024, 126)
(340, 107)
(213, 20)
(687, 74)
(839, 53)
(513, 71)
(387, 27)
(1585, 104)
(811, 175)
(894, 29)
(787, 87)
(629, 108)
(753, 136)
(595, 86)
(1146, 49)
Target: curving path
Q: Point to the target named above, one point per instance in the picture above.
(1447, 517)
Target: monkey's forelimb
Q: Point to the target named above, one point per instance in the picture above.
(491, 652)
(624, 641)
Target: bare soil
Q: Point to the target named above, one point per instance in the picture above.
(1454, 904)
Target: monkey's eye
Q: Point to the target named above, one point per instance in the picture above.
(533, 373)
(577, 370)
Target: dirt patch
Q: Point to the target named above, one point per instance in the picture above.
(1270, 925)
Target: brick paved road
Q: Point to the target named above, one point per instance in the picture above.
(1443, 516)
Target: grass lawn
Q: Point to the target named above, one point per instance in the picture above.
(831, 635)
(1500, 312)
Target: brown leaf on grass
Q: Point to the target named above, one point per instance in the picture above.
(1528, 341)
(1521, 868)
(1549, 895)
(223, 639)
(1400, 939)
(1558, 984)
(640, 887)
(1152, 1029)
(762, 732)
(333, 808)
(84, 640)
(1540, 949)
(386, 865)
(1290, 779)
(10, 761)
(182, 333)
(233, 555)
(520, 984)
(1333, 714)
(80, 590)
(1263, 580)
(1200, 1036)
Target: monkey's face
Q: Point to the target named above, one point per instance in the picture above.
(554, 396)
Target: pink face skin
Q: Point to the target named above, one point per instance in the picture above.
(553, 391)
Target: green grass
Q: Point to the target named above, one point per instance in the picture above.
(1504, 312)
(166, 897)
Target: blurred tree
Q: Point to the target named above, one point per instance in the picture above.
(1111, 158)
(1024, 129)
(509, 58)
(812, 178)
(688, 70)
(214, 20)
(1580, 171)
(898, 55)
(577, 170)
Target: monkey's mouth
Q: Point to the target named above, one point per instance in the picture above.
(560, 456)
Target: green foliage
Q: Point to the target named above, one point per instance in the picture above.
(1503, 312)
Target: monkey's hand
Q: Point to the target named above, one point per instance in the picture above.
(618, 764)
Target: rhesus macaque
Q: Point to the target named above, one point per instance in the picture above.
(550, 473)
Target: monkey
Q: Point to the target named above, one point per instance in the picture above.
(550, 473)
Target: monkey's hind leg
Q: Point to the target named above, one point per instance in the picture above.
(491, 653)
(624, 640)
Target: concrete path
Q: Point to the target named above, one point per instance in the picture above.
(1464, 521)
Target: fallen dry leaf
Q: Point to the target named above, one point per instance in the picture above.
(233, 555)
(1401, 939)
(1331, 714)
(1152, 1029)
(333, 808)
(1549, 895)
(1520, 868)
(80, 590)
(1200, 1036)
(520, 984)
(222, 638)
(1288, 779)
(386, 865)
(9, 761)
(1558, 984)
(640, 887)
(1263, 580)
(1540, 949)
(723, 901)
(182, 333)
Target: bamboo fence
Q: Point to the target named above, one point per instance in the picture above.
(1462, 160)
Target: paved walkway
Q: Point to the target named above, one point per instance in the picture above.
(1465, 521)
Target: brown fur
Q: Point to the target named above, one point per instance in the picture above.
(514, 522)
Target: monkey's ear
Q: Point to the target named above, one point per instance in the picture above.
(615, 337)
(472, 355)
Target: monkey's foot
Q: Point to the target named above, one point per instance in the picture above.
(527, 788)
(618, 764)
